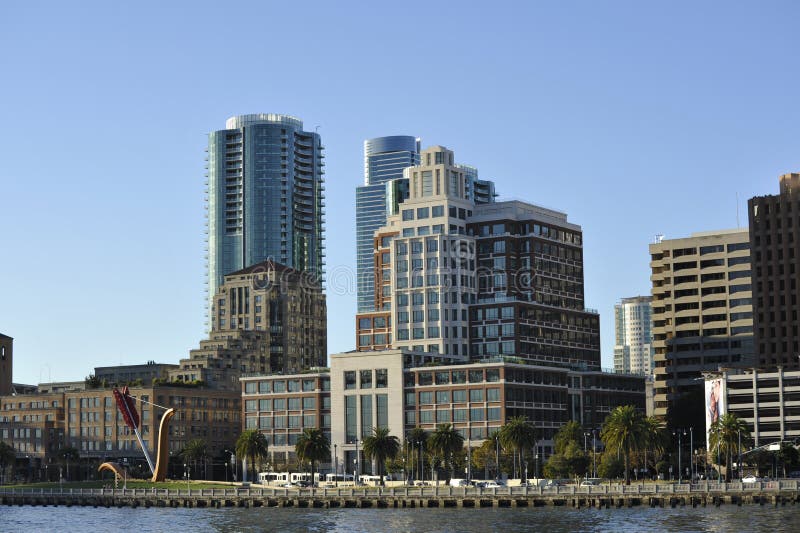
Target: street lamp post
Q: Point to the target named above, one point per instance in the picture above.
(691, 451)
(358, 464)
(594, 453)
(739, 463)
(335, 466)
(497, 457)
(186, 474)
(679, 433)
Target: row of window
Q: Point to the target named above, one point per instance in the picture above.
(366, 379)
(280, 386)
(491, 414)
(281, 404)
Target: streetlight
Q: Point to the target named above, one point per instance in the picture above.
(594, 453)
(679, 433)
(335, 466)
(691, 451)
(497, 456)
(739, 464)
(358, 465)
(186, 474)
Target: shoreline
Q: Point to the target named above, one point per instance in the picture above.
(777, 493)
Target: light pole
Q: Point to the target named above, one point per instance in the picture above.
(497, 457)
(358, 464)
(739, 464)
(679, 433)
(594, 453)
(186, 473)
(419, 462)
(691, 451)
(335, 466)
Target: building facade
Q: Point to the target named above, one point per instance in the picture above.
(265, 196)
(775, 244)
(384, 161)
(37, 426)
(478, 280)
(282, 406)
(633, 336)
(133, 374)
(702, 310)
(767, 400)
(6, 364)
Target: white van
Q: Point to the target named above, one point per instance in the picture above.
(459, 483)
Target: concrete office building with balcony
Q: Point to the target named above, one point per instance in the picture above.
(702, 310)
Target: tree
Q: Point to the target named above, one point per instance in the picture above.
(8, 456)
(611, 466)
(444, 442)
(66, 454)
(485, 456)
(194, 451)
(569, 432)
(625, 431)
(518, 435)
(381, 446)
(312, 446)
(655, 439)
(92, 382)
(418, 438)
(725, 434)
(253, 445)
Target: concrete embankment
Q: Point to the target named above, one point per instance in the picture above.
(604, 497)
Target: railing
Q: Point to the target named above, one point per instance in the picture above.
(435, 491)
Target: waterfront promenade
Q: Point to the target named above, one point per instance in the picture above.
(600, 496)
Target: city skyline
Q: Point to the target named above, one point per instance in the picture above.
(641, 136)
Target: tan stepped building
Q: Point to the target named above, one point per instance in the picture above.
(702, 310)
(266, 318)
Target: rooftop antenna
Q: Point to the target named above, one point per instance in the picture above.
(659, 238)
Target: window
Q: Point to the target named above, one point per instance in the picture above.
(432, 245)
(294, 404)
(459, 415)
(422, 212)
(425, 398)
(294, 385)
(382, 408)
(350, 380)
(408, 214)
(426, 417)
(381, 378)
(476, 376)
(442, 416)
(416, 247)
(438, 211)
(279, 386)
(476, 414)
(459, 396)
(476, 395)
(279, 404)
(265, 405)
(425, 378)
(433, 297)
(401, 248)
(366, 379)
(417, 298)
(493, 414)
(308, 385)
(442, 397)
(350, 421)
(366, 415)
(493, 395)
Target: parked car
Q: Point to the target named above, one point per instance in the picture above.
(494, 485)
(749, 479)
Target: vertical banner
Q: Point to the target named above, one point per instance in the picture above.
(715, 404)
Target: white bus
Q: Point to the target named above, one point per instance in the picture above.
(283, 478)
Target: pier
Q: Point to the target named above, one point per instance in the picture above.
(775, 493)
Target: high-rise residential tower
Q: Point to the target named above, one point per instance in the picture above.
(702, 311)
(265, 196)
(775, 243)
(384, 161)
(633, 336)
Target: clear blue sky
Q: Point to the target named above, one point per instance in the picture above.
(636, 118)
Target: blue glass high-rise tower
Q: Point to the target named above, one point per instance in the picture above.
(265, 196)
(384, 161)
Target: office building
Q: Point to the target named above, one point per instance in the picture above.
(775, 245)
(385, 189)
(478, 280)
(265, 197)
(633, 336)
(766, 400)
(384, 161)
(141, 375)
(702, 310)
(6, 364)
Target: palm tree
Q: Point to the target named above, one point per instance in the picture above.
(312, 446)
(8, 456)
(381, 446)
(195, 450)
(725, 435)
(444, 442)
(518, 434)
(253, 445)
(625, 430)
(655, 438)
